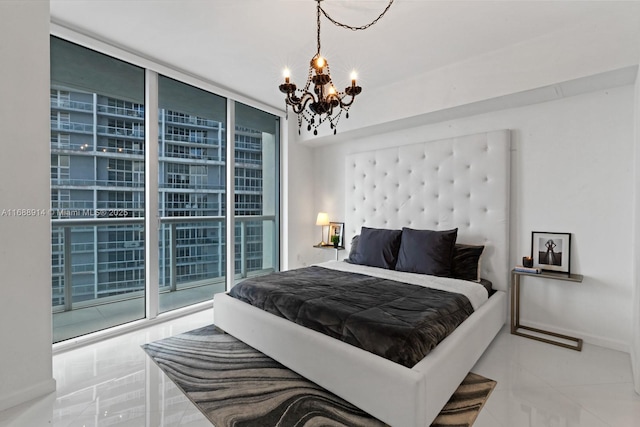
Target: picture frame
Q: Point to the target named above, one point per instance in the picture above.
(336, 228)
(551, 251)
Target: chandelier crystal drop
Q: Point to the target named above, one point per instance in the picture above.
(319, 101)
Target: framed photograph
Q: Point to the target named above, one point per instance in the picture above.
(551, 251)
(336, 229)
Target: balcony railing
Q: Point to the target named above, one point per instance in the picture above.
(191, 186)
(67, 104)
(86, 148)
(120, 131)
(121, 150)
(192, 120)
(241, 161)
(195, 156)
(251, 146)
(77, 259)
(95, 183)
(193, 139)
(253, 189)
(72, 126)
(121, 111)
(72, 205)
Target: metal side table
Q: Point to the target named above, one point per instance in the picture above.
(518, 329)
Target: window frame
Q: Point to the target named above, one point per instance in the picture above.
(152, 71)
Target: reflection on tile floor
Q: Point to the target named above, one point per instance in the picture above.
(113, 382)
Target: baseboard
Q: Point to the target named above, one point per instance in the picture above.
(587, 338)
(21, 396)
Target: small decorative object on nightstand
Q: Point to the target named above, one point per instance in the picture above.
(538, 334)
(336, 229)
(551, 251)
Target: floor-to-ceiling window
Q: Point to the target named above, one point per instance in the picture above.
(191, 182)
(97, 191)
(256, 191)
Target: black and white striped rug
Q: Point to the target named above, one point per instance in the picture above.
(236, 385)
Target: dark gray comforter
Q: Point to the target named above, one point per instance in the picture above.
(398, 321)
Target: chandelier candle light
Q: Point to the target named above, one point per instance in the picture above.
(323, 100)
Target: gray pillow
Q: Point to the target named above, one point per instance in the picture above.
(353, 250)
(427, 251)
(376, 247)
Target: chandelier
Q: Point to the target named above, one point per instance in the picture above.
(319, 101)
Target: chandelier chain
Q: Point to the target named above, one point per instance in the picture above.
(352, 28)
(318, 20)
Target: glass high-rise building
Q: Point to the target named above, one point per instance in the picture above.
(97, 172)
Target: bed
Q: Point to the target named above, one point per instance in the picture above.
(458, 183)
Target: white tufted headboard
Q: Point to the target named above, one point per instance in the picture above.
(459, 182)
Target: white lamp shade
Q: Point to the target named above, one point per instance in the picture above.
(322, 219)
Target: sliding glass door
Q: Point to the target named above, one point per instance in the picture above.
(256, 191)
(101, 265)
(97, 191)
(191, 183)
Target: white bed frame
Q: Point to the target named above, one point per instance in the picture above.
(461, 182)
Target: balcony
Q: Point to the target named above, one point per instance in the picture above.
(58, 147)
(248, 146)
(193, 186)
(67, 104)
(136, 113)
(192, 140)
(121, 132)
(98, 266)
(197, 155)
(248, 163)
(248, 189)
(199, 122)
(84, 184)
(86, 128)
(135, 152)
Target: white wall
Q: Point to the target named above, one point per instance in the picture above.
(574, 52)
(635, 344)
(25, 252)
(299, 204)
(572, 171)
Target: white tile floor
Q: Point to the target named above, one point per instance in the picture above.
(114, 383)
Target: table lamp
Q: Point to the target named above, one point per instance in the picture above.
(322, 220)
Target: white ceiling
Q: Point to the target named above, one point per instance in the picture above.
(243, 45)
